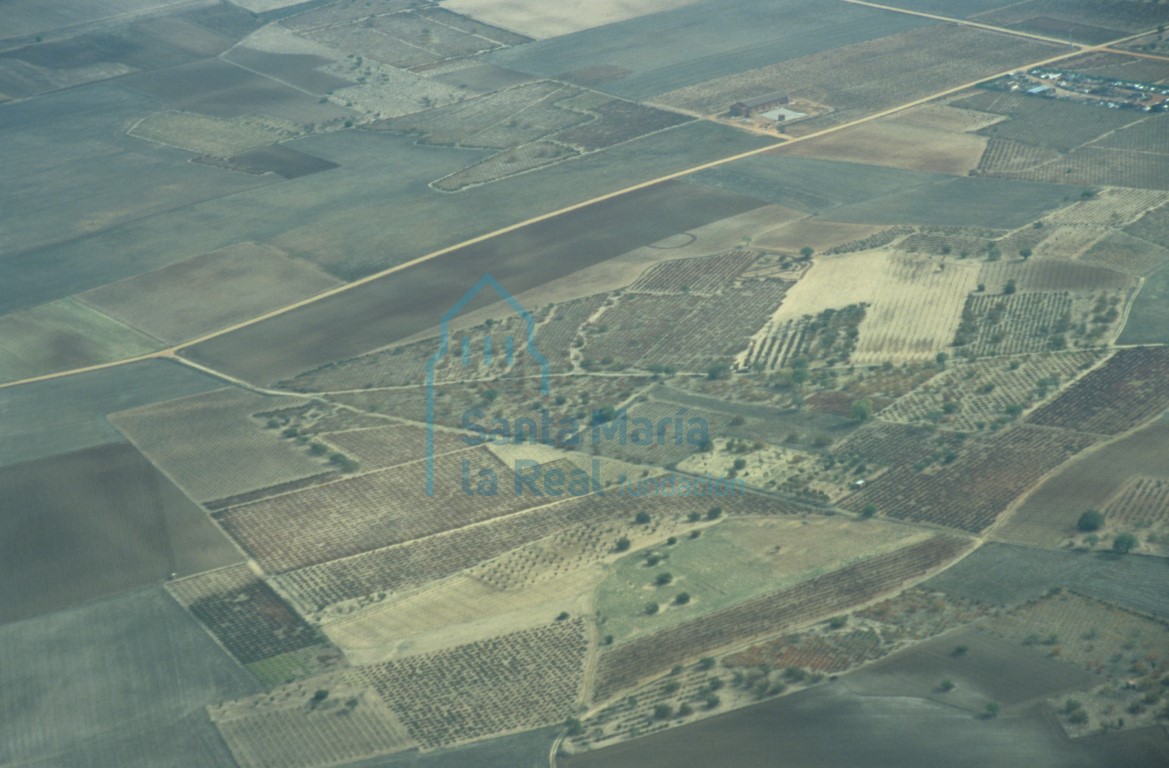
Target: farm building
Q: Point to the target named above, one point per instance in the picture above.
(1041, 90)
(749, 107)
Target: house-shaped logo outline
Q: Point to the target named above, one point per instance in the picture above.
(488, 280)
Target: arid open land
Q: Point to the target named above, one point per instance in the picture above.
(622, 384)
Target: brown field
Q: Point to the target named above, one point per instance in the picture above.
(1091, 21)
(213, 448)
(917, 140)
(173, 303)
(1103, 165)
(1119, 250)
(880, 75)
(970, 492)
(1127, 391)
(1121, 67)
(1047, 517)
(1051, 275)
(1109, 207)
(93, 523)
(401, 305)
(812, 233)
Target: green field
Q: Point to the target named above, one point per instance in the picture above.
(63, 335)
(1148, 319)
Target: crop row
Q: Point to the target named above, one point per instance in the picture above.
(829, 653)
(970, 492)
(1013, 324)
(1132, 387)
(888, 444)
(523, 680)
(1142, 501)
(695, 276)
(824, 595)
(373, 510)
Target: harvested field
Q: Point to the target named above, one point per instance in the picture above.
(962, 202)
(1122, 251)
(912, 140)
(248, 619)
(93, 523)
(515, 682)
(216, 88)
(477, 77)
(300, 70)
(1051, 275)
(68, 414)
(403, 304)
(1148, 318)
(214, 136)
(526, 157)
(62, 336)
(659, 52)
(212, 447)
(77, 682)
(1009, 575)
(172, 303)
(1057, 124)
(880, 75)
(825, 595)
(290, 727)
(279, 159)
(1089, 21)
(540, 20)
(812, 233)
(372, 510)
(972, 491)
(981, 392)
(1049, 515)
(735, 561)
(912, 305)
(1127, 391)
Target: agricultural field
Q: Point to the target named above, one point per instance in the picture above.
(171, 303)
(96, 522)
(1141, 507)
(1048, 517)
(382, 92)
(1050, 275)
(816, 598)
(1080, 20)
(1122, 251)
(117, 681)
(1148, 320)
(736, 561)
(68, 414)
(322, 721)
(971, 491)
(254, 624)
(1018, 323)
(63, 335)
(972, 397)
(518, 681)
(1053, 124)
(887, 444)
(212, 448)
(1131, 378)
(526, 157)
(213, 136)
(539, 20)
(945, 56)
(912, 305)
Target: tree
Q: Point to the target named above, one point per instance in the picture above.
(941, 359)
(716, 372)
(992, 709)
(682, 598)
(1124, 543)
(706, 663)
(807, 251)
(1090, 521)
(623, 544)
(946, 686)
(862, 409)
(664, 578)
(663, 712)
(641, 518)
(651, 609)
(1025, 253)
(694, 516)
(959, 650)
(563, 616)
(740, 464)
(573, 726)
(714, 513)
(1009, 288)
(869, 511)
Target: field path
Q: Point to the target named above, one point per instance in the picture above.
(174, 352)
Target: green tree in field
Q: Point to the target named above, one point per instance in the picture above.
(641, 518)
(663, 578)
(651, 609)
(941, 359)
(862, 409)
(869, 511)
(663, 712)
(992, 709)
(682, 599)
(1090, 521)
(623, 544)
(807, 251)
(573, 726)
(1124, 543)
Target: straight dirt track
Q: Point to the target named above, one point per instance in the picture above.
(399, 305)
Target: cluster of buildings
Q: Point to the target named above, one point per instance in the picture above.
(1087, 88)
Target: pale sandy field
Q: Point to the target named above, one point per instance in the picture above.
(541, 19)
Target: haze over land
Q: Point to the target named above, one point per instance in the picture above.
(473, 383)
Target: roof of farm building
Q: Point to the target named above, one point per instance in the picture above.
(767, 98)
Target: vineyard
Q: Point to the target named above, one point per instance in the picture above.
(250, 620)
(944, 241)
(830, 336)
(619, 121)
(1096, 165)
(1108, 207)
(1004, 157)
(384, 447)
(892, 445)
(1126, 391)
(872, 242)
(1051, 275)
(514, 682)
(296, 727)
(970, 492)
(1141, 506)
(819, 597)
(1119, 250)
(1012, 324)
(974, 396)
(700, 277)
(1055, 124)
(370, 511)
